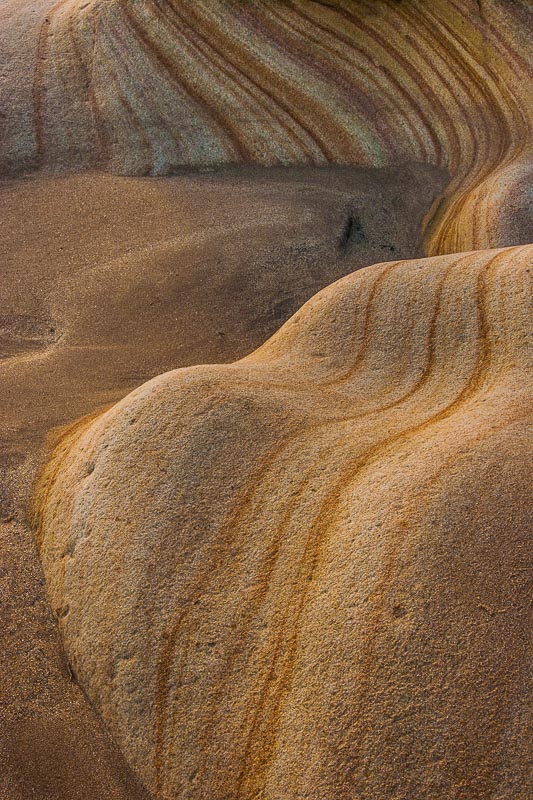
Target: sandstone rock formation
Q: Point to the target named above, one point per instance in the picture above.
(105, 282)
(146, 87)
(304, 574)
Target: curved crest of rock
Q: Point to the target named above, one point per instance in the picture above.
(304, 574)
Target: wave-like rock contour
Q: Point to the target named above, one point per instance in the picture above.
(144, 87)
(304, 574)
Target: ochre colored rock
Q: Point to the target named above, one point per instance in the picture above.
(146, 87)
(303, 575)
(105, 282)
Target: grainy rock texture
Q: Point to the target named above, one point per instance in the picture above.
(108, 281)
(303, 575)
(146, 87)
(105, 282)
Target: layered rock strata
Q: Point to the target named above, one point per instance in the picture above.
(304, 574)
(147, 87)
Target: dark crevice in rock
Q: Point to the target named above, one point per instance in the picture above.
(352, 232)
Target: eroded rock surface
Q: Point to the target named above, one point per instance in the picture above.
(107, 281)
(147, 87)
(304, 574)
(316, 552)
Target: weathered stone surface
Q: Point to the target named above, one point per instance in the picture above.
(105, 282)
(146, 87)
(304, 574)
(380, 679)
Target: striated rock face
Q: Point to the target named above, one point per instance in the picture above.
(144, 87)
(303, 574)
(105, 282)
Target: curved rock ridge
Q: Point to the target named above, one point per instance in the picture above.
(145, 87)
(304, 574)
(105, 282)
